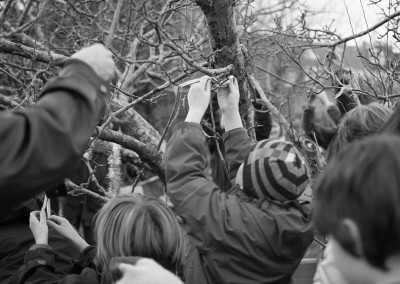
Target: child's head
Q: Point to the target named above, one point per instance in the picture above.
(362, 121)
(273, 169)
(137, 225)
(357, 203)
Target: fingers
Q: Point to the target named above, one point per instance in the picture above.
(205, 83)
(57, 219)
(99, 58)
(233, 84)
(53, 225)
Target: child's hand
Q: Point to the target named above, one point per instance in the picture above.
(198, 99)
(228, 101)
(99, 58)
(38, 226)
(228, 97)
(65, 229)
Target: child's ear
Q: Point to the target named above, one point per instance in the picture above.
(349, 237)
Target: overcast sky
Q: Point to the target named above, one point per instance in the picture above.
(327, 11)
(360, 21)
(336, 10)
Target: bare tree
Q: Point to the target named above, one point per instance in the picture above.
(158, 44)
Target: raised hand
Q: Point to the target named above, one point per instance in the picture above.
(228, 101)
(99, 58)
(38, 226)
(198, 99)
(65, 229)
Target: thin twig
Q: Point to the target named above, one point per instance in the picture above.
(114, 23)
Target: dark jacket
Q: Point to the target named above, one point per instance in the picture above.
(323, 133)
(42, 144)
(40, 263)
(236, 239)
(16, 238)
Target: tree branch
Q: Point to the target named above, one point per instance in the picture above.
(148, 153)
(191, 62)
(31, 53)
(4, 12)
(114, 23)
(360, 34)
(7, 101)
(74, 189)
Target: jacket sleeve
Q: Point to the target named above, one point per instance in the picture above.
(42, 144)
(308, 123)
(39, 267)
(334, 113)
(237, 147)
(323, 133)
(211, 215)
(346, 102)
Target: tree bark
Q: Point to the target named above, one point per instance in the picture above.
(133, 124)
(224, 40)
(148, 153)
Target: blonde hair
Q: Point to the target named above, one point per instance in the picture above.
(362, 121)
(137, 225)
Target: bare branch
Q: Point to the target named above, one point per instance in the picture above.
(149, 154)
(360, 34)
(191, 62)
(74, 189)
(31, 53)
(114, 23)
(4, 12)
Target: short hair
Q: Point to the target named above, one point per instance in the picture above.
(137, 225)
(362, 121)
(362, 183)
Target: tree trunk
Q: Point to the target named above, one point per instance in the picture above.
(224, 40)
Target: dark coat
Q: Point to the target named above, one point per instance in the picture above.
(40, 264)
(16, 238)
(41, 145)
(236, 239)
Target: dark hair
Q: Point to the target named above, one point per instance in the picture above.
(363, 183)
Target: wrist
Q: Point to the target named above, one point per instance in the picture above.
(194, 115)
(81, 244)
(232, 120)
(42, 241)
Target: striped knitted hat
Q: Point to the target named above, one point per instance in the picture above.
(274, 169)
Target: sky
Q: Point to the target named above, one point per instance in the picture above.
(327, 11)
(336, 10)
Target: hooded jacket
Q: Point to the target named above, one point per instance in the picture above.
(235, 238)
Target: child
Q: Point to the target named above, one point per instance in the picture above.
(257, 232)
(358, 206)
(128, 225)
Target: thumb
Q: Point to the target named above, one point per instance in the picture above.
(33, 218)
(53, 225)
(206, 82)
(233, 84)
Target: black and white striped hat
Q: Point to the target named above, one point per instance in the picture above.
(275, 169)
